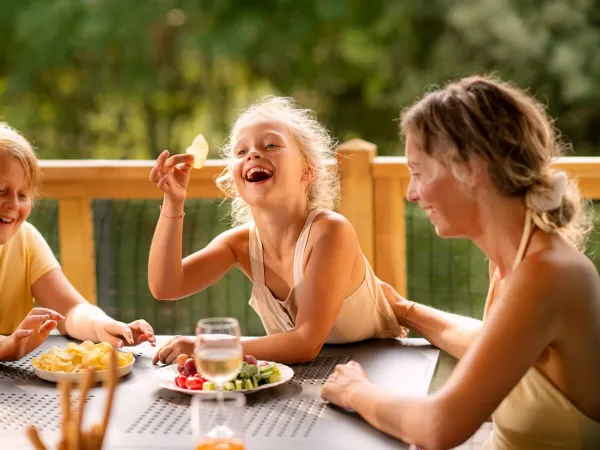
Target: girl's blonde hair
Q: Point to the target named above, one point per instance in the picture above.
(13, 143)
(511, 131)
(314, 141)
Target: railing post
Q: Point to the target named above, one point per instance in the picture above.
(355, 159)
(76, 236)
(390, 232)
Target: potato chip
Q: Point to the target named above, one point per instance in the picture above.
(199, 149)
(78, 358)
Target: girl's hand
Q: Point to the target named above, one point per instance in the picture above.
(172, 175)
(119, 334)
(178, 345)
(342, 382)
(30, 334)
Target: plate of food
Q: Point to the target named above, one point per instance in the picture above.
(183, 376)
(72, 363)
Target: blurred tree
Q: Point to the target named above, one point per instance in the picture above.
(124, 79)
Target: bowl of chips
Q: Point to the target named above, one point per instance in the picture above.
(72, 363)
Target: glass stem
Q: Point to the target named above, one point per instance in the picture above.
(220, 398)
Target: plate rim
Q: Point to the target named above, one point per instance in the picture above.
(166, 384)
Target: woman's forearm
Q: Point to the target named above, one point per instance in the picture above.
(409, 419)
(165, 260)
(450, 332)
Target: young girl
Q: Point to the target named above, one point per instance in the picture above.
(29, 270)
(311, 281)
(480, 153)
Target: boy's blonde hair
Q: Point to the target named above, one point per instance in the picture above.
(314, 141)
(14, 144)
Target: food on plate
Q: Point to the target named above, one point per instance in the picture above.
(250, 377)
(79, 358)
(199, 149)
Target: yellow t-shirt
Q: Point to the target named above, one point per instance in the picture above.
(24, 258)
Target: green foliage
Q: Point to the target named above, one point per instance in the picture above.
(124, 79)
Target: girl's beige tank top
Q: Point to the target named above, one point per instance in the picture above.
(365, 313)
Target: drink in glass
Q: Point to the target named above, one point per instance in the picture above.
(219, 424)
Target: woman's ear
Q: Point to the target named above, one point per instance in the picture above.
(477, 171)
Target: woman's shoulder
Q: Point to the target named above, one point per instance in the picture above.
(563, 261)
(561, 272)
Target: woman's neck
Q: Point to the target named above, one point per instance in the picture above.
(502, 224)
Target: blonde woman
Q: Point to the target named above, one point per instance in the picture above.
(479, 153)
(311, 281)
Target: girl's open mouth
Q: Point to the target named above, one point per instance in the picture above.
(258, 174)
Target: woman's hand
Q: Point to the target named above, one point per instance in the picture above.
(30, 334)
(398, 303)
(119, 334)
(178, 345)
(172, 175)
(342, 382)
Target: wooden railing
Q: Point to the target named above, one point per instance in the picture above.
(373, 190)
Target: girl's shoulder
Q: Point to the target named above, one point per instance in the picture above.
(328, 217)
(331, 223)
(236, 237)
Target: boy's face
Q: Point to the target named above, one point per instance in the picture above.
(15, 196)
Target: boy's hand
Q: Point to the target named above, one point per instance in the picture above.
(30, 334)
(178, 345)
(119, 334)
(172, 175)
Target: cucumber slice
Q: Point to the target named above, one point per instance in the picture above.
(229, 386)
(275, 377)
(239, 385)
(249, 370)
(208, 386)
(248, 384)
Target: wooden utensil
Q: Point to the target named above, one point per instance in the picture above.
(72, 435)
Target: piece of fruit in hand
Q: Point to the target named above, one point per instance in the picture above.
(199, 149)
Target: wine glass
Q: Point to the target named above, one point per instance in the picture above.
(219, 357)
(218, 426)
(218, 351)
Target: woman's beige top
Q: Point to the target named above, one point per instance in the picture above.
(536, 415)
(365, 313)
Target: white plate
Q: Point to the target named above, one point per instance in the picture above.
(165, 378)
(76, 377)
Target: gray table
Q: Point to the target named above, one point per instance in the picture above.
(290, 416)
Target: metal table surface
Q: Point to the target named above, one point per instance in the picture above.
(290, 416)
